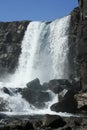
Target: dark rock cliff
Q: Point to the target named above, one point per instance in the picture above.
(75, 17)
(82, 42)
(11, 35)
(78, 43)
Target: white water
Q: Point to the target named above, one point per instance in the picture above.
(44, 55)
(44, 52)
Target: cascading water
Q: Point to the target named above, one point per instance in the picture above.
(44, 55)
(44, 52)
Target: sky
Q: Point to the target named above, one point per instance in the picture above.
(36, 10)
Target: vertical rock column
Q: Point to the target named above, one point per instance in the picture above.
(82, 42)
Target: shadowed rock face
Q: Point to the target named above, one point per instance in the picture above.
(11, 35)
(78, 43)
(82, 42)
(83, 9)
(75, 18)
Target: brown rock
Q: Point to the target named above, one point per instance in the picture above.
(81, 100)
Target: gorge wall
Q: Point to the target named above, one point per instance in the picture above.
(11, 35)
(82, 42)
(79, 27)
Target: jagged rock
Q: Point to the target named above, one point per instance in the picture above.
(82, 52)
(58, 85)
(83, 9)
(72, 55)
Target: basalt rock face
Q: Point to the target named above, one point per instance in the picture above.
(83, 8)
(82, 42)
(11, 35)
(75, 18)
(78, 43)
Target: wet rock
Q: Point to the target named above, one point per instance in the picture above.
(58, 85)
(5, 90)
(67, 104)
(17, 124)
(3, 105)
(29, 126)
(3, 116)
(36, 98)
(46, 122)
(34, 84)
(53, 121)
(34, 93)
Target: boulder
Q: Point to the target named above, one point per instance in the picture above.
(58, 85)
(67, 104)
(3, 116)
(5, 90)
(36, 98)
(35, 94)
(53, 121)
(34, 85)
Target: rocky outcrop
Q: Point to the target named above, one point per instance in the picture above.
(11, 35)
(83, 9)
(46, 122)
(75, 18)
(66, 91)
(82, 43)
(81, 99)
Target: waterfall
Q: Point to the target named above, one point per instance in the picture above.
(44, 52)
(43, 55)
